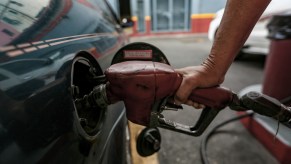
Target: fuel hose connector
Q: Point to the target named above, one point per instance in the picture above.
(267, 106)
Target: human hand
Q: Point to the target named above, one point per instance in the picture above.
(196, 77)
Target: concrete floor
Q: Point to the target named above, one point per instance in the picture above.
(234, 144)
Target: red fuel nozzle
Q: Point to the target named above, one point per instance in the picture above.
(140, 84)
(144, 85)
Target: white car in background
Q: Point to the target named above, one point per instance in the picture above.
(257, 43)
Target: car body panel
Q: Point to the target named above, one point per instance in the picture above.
(39, 41)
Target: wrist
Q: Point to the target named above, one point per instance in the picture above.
(214, 70)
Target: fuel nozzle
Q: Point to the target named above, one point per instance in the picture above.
(96, 98)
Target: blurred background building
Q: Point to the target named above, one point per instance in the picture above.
(152, 17)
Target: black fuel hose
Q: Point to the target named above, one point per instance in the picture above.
(203, 146)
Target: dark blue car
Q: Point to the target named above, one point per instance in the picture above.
(52, 53)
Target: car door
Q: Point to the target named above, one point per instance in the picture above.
(56, 45)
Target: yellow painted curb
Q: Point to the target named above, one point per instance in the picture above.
(136, 158)
(202, 16)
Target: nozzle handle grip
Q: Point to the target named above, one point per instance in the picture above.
(214, 97)
(267, 106)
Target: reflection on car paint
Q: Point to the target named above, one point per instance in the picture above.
(38, 41)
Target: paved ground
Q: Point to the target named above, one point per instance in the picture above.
(234, 145)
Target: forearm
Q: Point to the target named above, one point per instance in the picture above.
(238, 20)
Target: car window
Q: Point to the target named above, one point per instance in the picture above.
(106, 10)
(18, 16)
